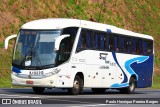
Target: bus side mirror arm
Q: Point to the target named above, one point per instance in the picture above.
(7, 40)
(58, 41)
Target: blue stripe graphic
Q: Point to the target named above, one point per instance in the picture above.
(16, 70)
(115, 59)
(131, 61)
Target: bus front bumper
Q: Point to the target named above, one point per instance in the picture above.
(43, 82)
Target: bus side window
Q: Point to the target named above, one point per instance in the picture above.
(150, 47)
(129, 45)
(137, 46)
(92, 38)
(125, 45)
(88, 39)
(144, 47)
(140, 46)
(82, 42)
(105, 42)
(119, 44)
(115, 43)
(96, 35)
(111, 43)
(122, 44)
(102, 41)
(134, 45)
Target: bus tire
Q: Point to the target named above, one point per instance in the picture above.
(38, 90)
(98, 90)
(130, 89)
(77, 86)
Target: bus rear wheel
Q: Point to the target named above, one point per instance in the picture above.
(38, 90)
(98, 90)
(131, 88)
(77, 86)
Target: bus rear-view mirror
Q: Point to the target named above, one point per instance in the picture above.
(58, 41)
(6, 42)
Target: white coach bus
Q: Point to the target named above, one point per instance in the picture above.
(74, 54)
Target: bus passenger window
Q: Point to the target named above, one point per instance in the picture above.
(144, 47)
(102, 41)
(84, 40)
(97, 40)
(150, 47)
(119, 44)
(92, 38)
(111, 43)
(105, 42)
(133, 45)
(88, 39)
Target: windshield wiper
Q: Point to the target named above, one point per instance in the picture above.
(30, 49)
(38, 59)
(32, 53)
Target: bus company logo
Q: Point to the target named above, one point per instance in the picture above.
(6, 101)
(103, 56)
(29, 76)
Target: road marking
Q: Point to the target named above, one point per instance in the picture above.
(70, 101)
(17, 96)
(91, 105)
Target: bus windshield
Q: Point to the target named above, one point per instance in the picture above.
(35, 48)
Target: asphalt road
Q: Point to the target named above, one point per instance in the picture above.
(60, 98)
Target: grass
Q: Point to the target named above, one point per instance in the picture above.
(156, 82)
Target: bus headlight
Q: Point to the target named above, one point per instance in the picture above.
(52, 73)
(14, 73)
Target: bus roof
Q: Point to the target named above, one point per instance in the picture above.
(59, 23)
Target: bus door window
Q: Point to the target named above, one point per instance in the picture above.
(67, 44)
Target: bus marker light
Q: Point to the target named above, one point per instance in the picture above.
(68, 76)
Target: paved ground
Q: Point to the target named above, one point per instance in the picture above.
(61, 98)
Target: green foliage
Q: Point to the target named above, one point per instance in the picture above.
(23, 19)
(36, 1)
(156, 80)
(1, 44)
(11, 2)
(157, 60)
(139, 14)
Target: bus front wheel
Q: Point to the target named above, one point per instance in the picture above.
(130, 89)
(38, 90)
(77, 86)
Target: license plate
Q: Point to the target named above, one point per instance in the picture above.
(29, 82)
(36, 73)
